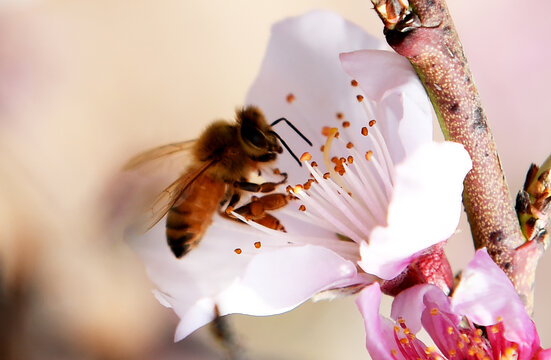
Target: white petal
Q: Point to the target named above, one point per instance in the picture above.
(302, 59)
(425, 208)
(274, 282)
(206, 270)
(404, 109)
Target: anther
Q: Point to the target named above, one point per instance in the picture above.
(306, 157)
(434, 311)
(326, 175)
(354, 83)
(298, 188)
(340, 115)
(302, 208)
(360, 98)
(257, 244)
(452, 352)
(276, 171)
(314, 164)
(346, 124)
(326, 131)
(238, 251)
(322, 148)
(372, 122)
(368, 155)
(289, 188)
(350, 159)
(349, 145)
(290, 98)
(364, 131)
(229, 210)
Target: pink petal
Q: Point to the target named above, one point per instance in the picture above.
(486, 295)
(424, 210)
(543, 355)
(379, 330)
(401, 98)
(410, 304)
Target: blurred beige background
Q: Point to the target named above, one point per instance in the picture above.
(86, 84)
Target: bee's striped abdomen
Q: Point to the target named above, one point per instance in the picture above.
(188, 220)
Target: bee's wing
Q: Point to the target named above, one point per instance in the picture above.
(167, 199)
(159, 153)
(141, 183)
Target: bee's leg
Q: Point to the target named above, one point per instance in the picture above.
(263, 188)
(231, 195)
(271, 222)
(256, 210)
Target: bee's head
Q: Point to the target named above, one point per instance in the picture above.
(255, 133)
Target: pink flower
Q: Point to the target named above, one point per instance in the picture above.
(484, 319)
(399, 192)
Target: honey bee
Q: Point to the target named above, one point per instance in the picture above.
(221, 159)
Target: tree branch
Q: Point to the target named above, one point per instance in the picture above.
(423, 32)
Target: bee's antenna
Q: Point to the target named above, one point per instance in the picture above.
(287, 147)
(292, 127)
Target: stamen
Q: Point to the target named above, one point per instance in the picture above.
(368, 155)
(332, 134)
(354, 83)
(360, 98)
(302, 208)
(380, 147)
(290, 98)
(346, 124)
(328, 196)
(452, 352)
(238, 251)
(257, 244)
(349, 145)
(306, 157)
(365, 132)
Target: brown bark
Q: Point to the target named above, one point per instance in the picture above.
(423, 32)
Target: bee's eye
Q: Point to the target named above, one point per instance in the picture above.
(253, 136)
